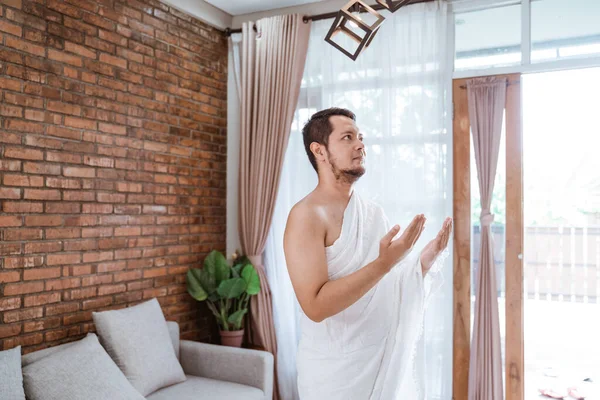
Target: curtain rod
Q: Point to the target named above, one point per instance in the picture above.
(331, 15)
(508, 83)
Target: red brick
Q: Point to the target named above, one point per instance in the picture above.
(97, 303)
(36, 141)
(99, 161)
(74, 195)
(111, 289)
(40, 168)
(96, 257)
(115, 61)
(41, 273)
(63, 259)
(36, 115)
(96, 280)
(23, 262)
(10, 276)
(57, 334)
(80, 123)
(7, 221)
(40, 325)
(80, 245)
(62, 308)
(23, 100)
(9, 330)
(63, 233)
(114, 129)
(42, 299)
(86, 220)
(23, 154)
(64, 57)
(128, 231)
(61, 284)
(42, 247)
(77, 318)
(111, 198)
(63, 208)
(8, 27)
(25, 46)
(23, 180)
(64, 108)
(41, 194)
(158, 292)
(80, 172)
(111, 266)
(78, 294)
(43, 220)
(97, 209)
(80, 50)
(10, 303)
(11, 235)
(7, 83)
(25, 340)
(77, 270)
(10, 165)
(11, 289)
(20, 315)
(99, 21)
(96, 232)
(64, 8)
(11, 111)
(10, 193)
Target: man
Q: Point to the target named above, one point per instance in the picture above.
(362, 295)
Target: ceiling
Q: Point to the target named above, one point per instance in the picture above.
(241, 7)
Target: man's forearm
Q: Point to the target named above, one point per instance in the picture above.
(337, 295)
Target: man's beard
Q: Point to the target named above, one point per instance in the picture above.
(348, 175)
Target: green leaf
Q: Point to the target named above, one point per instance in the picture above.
(232, 288)
(208, 281)
(218, 265)
(236, 270)
(194, 287)
(252, 280)
(237, 318)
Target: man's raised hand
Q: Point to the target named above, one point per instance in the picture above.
(392, 251)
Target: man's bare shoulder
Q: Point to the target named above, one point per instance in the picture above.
(307, 213)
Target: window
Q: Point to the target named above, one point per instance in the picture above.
(488, 38)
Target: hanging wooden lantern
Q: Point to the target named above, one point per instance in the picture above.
(393, 5)
(350, 15)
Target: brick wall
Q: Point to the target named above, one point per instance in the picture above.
(112, 163)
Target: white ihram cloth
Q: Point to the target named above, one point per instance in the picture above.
(371, 350)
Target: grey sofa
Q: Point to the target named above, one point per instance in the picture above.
(213, 372)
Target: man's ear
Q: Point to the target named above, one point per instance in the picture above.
(318, 151)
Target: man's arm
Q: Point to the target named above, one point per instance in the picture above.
(304, 248)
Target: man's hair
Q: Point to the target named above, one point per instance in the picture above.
(318, 128)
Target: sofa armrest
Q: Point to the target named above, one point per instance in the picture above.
(248, 367)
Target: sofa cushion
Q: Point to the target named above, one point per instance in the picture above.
(38, 355)
(196, 387)
(11, 379)
(138, 340)
(174, 332)
(81, 371)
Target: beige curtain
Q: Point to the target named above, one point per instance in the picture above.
(486, 106)
(272, 64)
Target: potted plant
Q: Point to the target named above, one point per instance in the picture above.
(226, 288)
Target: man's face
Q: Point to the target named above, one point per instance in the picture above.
(346, 151)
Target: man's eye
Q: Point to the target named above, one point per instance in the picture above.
(347, 137)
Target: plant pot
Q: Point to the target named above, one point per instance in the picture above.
(232, 338)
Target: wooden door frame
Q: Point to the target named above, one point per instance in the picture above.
(514, 354)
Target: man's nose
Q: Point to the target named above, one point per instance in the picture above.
(360, 145)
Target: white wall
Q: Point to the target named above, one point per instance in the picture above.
(306, 9)
(203, 11)
(233, 160)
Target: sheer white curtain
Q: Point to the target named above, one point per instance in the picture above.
(397, 88)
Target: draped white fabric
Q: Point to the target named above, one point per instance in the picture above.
(398, 90)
